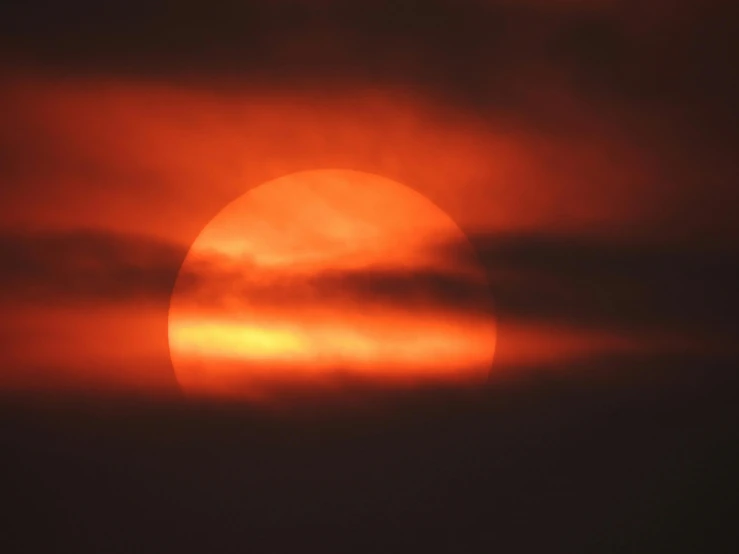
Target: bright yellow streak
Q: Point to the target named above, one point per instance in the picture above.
(225, 340)
(321, 344)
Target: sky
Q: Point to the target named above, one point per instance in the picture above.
(579, 155)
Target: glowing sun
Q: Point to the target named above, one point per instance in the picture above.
(323, 277)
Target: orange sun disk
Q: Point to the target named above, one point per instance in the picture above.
(268, 293)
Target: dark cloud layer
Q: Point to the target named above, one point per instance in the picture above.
(63, 266)
(279, 39)
(612, 283)
(653, 52)
(545, 464)
(213, 286)
(599, 284)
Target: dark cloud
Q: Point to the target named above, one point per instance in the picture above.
(80, 265)
(592, 463)
(599, 284)
(468, 49)
(609, 283)
(441, 288)
(279, 39)
(213, 286)
(97, 265)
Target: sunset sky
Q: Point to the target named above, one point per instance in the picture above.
(238, 198)
(594, 211)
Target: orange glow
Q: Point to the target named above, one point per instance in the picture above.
(158, 161)
(173, 155)
(302, 229)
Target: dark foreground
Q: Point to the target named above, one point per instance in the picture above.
(618, 459)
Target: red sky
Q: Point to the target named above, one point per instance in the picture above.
(584, 189)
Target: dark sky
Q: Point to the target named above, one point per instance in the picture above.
(613, 128)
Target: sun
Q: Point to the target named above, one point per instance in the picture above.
(329, 276)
